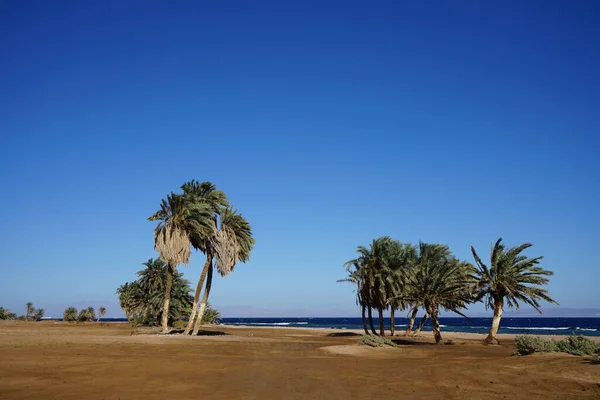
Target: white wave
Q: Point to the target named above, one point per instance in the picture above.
(265, 323)
(443, 326)
(400, 326)
(586, 329)
(533, 328)
(300, 323)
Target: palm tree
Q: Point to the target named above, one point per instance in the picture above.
(28, 310)
(354, 277)
(143, 299)
(440, 280)
(38, 313)
(129, 298)
(231, 243)
(379, 275)
(70, 314)
(402, 258)
(203, 193)
(180, 220)
(91, 313)
(511, 276)
(101, 313)
(362, 277)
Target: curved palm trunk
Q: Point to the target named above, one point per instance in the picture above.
(435, 326)
(370, 311)
(203, 303)
(491, 338)
(381, 324)
(392, 322)
(411, 322)
(165, 314)
(192, 317)
(364, 319)
(422, 323)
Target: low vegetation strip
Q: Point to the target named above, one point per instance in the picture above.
(576, 344)
(376, 341)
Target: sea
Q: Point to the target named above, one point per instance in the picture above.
(520, 326)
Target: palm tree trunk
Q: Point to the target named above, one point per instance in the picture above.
(491, 338)
(364, 319)
(392, 321)
(370, 311)
(422, 323)
(192, 318)
(165, 314)
(411, 322)
(381, 324)
(435, 325)
(203, 303)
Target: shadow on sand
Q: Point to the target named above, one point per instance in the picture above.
(200, 333)
(343, 334)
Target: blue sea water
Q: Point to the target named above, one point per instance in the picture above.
(529, 326)
(521, 326)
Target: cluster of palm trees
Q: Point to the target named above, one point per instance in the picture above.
(6, 314)
(390, 275)
(84, 315)
(143, 299)
(201, 218)
(32, 313)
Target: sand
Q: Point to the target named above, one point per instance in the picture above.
(52, 360)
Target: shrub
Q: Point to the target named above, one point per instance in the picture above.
(376, 341)
(576, 344)
(211, 315)
(533, 344)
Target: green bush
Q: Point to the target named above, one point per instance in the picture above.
(211, 315)
(576, 344)
(376, 341)
(533, 344)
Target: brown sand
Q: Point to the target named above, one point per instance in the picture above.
(60, 361)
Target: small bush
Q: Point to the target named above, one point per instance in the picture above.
(577, 345)
(211, 316)
(179, 324)
(533, 344)
(376, 341)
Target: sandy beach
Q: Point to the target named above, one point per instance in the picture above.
(53, 360)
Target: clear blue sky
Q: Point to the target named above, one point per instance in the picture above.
(327, 124)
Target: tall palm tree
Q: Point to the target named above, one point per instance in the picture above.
(440, 280)
(355, 277)
(180, 220)
(203, 193)
(364, 277)
(101, 313)
(511, 276)
(379, 272)
(402, 258)
(232, 242)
